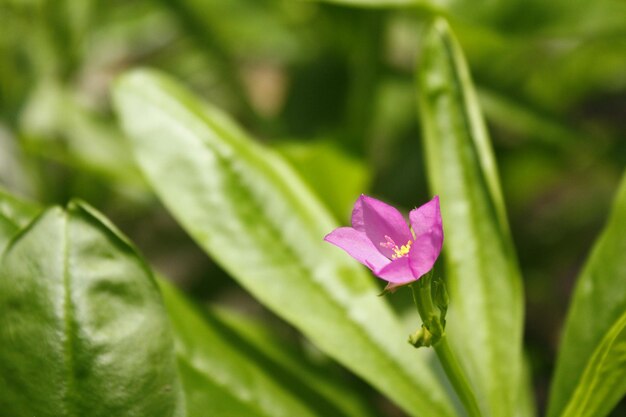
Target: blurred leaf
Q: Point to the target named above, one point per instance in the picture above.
(527, 406)
(241, 32)
(529, 122)
(380, 3)
(316, 373)
(13, 172)
(56, 126)
(14, 215)
(253, 28)
(337, 178)
(486, 310)
(225, 371)
(248, 209)
(77, 306)
(590, 375)
(66, 23)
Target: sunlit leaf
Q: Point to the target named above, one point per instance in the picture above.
(252, 213)
(486, 310)
(224, 370)
(252, 372)
(77, 306)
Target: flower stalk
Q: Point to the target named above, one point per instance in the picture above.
(401, 255)
(431, 298)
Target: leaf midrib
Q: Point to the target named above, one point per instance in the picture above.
(69, 324)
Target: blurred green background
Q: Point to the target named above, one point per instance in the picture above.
(331, 87)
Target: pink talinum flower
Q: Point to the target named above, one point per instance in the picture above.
(381, 239)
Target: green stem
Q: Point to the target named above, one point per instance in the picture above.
(431, 316)
(422, 296)
(456, 376)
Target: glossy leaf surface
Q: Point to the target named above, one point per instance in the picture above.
(591, 369)
(77, 307)
(486, 311)
(251, 212)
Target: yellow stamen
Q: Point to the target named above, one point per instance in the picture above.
(401, 251)
(398, 252)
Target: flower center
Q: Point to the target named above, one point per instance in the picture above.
(398, 251)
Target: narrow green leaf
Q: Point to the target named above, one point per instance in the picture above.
(250, 211)
(603, 382)
(14, 214)
(337, 178)
(590, 375)
(526, 406)
(486, 310)
(226, 366)
(326, 380)
(77, 310)
(205, 397)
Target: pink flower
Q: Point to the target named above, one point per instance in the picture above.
(381, 240)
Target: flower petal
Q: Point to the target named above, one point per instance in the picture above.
(359, 246)
(428, 229)
(379, 220)
(397, 271)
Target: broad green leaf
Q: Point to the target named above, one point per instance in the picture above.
(251, 212)
(14, 214)
(486, 311)
(217, 345)
(82, 327)
(590, 375)
(224, 367)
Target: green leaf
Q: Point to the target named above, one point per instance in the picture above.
(526, 406)
(336, 178)
(14, 215)
(83, 331)
(247, 352)
(590, 375)
(381, 3)
(56, 126)
(251, 212)
(486, 310)
(228, 366)
(327, 380)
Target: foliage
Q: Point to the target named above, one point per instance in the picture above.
(257, 126)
